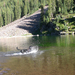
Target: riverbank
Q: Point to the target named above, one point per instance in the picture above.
(29, 25)
(26, 25)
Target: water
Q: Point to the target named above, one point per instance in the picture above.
(33, 49)
(56, 56)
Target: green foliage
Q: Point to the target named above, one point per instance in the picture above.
(36, 5)
(58, 9)
(15, 9)
(42, 13)
(7, 16)
(32, 6)
(58, 18)
(50, 12)
(64, 11)
(11, 10)
(25, 9)
(1, 19)
(47, 20)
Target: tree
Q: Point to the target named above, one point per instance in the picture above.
(35, 5)
(8, 15)
(17, 11)
(42, 16)
(54, 6)
(28, 6)
(1, 19)
(32, 5)
(50, 13)
(25, 8)
(12, 16)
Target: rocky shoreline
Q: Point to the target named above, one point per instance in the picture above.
(23, 26)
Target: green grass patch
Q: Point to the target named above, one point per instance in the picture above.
(27, 34)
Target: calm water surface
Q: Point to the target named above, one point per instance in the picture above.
(56, 56)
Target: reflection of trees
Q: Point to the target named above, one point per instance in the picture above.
(65, 40)
(50, 62)
(45, 64)
(47, 41)
(56, 61)
(67, 65)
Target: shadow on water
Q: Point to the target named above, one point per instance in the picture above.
(55, 56)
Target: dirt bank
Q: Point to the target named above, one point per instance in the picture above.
(22, 26)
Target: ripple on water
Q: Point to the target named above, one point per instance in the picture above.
(15, 54)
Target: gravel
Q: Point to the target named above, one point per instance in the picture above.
(22, 26)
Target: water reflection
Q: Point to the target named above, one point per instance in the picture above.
(11, 43)
(59, 41)
(48, 63)
(56, 56)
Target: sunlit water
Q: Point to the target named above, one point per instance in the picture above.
(55, 56)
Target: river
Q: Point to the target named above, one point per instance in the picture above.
(56, 55)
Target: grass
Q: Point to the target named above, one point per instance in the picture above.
(27, 34)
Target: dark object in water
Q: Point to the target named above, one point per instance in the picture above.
(24, 50)
(31, 48)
